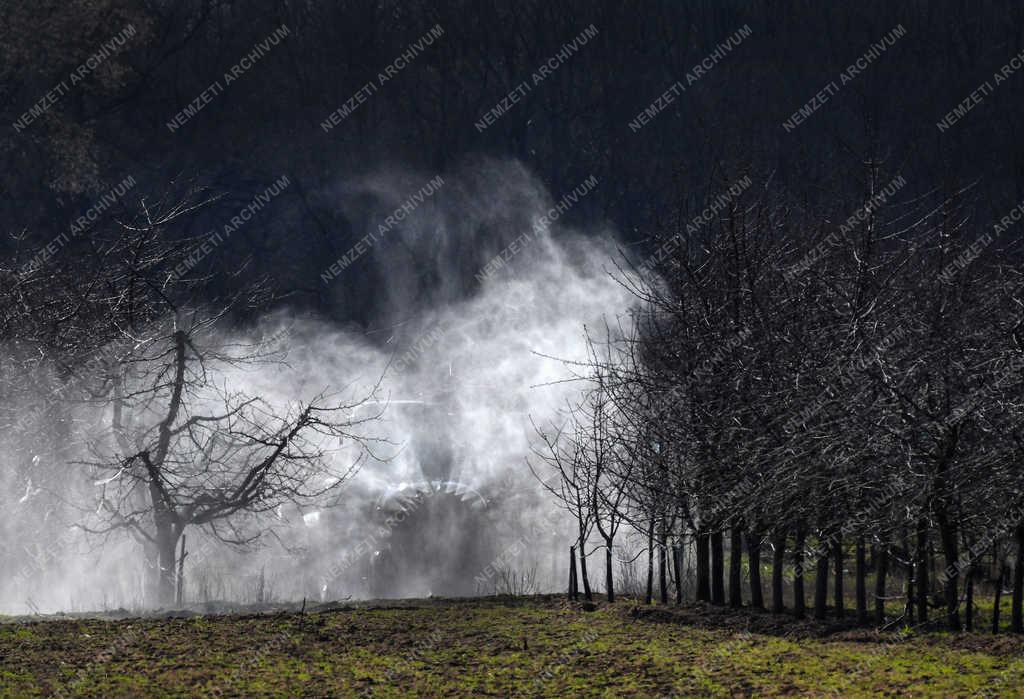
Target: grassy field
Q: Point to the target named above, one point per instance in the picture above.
(489, 647)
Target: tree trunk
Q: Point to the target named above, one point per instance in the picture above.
(778, 571)
(799, 599)
(969, 573)
(908, 612)
(862, 583)
(911, 576)
(922, 570)
(179, 593)
(840, 602)
(999, 596)
(165, 519)
(573, 588)
(703, 570)
(735, 567)
(587, 593)
(649, 597)
(677, 569)
(608, 581)
(717, 570)
(663, 572)
(1016, 619)
(821, 586)
(881, 568)
(167, 551)
(932, 575)
(754, 559)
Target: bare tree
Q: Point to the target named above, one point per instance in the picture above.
(563, 452)
(190, 450)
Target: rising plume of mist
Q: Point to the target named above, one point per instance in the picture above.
(467, 358)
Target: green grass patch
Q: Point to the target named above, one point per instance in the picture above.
(484, 648)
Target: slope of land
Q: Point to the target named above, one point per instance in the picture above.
(492, 647)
